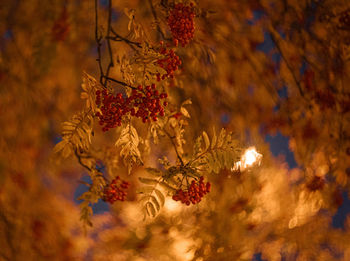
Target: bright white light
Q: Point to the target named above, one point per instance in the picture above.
(249, 158)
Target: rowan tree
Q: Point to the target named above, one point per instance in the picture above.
(128, 129)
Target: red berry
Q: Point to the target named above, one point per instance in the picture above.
(116, 190)
(140, 104)
(169, 63)
(181, 23)
(194, 192)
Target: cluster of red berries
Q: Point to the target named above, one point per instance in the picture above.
(194, 192)
(143, 103)
(181, 23)
(116, 190)
(170, 63)
(112, 109)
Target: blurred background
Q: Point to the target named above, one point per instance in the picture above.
(274, 72)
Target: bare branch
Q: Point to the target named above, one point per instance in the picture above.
(104, 77)
(118, 37)
(98, 42)
(80, 161)
(297, 82)
(119, 82)
(111, 64)
(172, 141)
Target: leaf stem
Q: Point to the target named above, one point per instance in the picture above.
(80, 161)
(119, 82)
(177, 152)
(121, 38)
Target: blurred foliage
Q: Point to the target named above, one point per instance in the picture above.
(253, 68)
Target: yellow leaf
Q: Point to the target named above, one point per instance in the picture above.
(206, 140)
(185, 112)
(59, 146)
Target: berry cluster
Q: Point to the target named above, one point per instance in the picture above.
(143, 103)
(112, 109)
(181, 23)
(194, 192)
(170, 63)
(116, 190)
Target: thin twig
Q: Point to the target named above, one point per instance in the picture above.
(314, 65)
(84, 183)
(297, 82)
(9, 228)
(111, 64)
(117, 39)
(124, 39)
(104, 78)
(80, 162)
(98, 42)
(119, 82)
(172, 141)
(183, 177)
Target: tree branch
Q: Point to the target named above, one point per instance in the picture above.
(80, 162)
(98, 42)
(297, 82)
(9, 228)
(121, 38)
(104, 77)
(172, 141)
(119, 82)
(111, 64)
